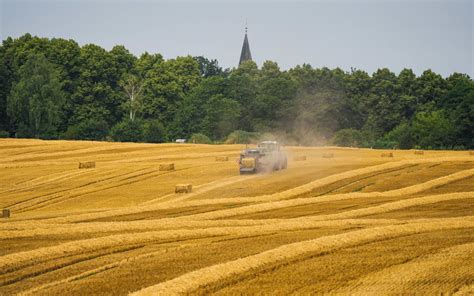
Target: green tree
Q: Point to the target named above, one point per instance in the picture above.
(433, 129)
(154, 132)
(133, 86)
(383, 104)
(275, 92)
(459, 105)
(207, 67)
(191, 110)
(128, 131)
(35, 100)
(98, 93)
(348, 138)
(199, 138)
(403, 135)
(431, 88)
(91, 129)
(221, 117)
(165, 86)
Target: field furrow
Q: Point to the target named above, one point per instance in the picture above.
(443, 272)
(336, 221)
(192, 281)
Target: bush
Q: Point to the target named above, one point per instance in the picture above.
(385, 144)
(88, 130)
(23, 131)
(4, 134)
(128, 131)
(200, 139)
(154, 132)
(348, 138)
(402, 135)
(433, 129)
(242, 137)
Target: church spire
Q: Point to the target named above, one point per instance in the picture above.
(245, 55)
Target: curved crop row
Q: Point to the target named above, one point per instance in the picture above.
(18, 260)
(285, 194)
(234, 226)
(355, 213)
(450, 264)
(207, 276)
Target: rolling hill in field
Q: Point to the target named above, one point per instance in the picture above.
(342, 221)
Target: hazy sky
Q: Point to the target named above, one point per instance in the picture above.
(362, 34)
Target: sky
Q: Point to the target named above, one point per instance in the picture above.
(365, 34)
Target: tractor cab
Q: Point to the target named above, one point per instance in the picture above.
(269, 146)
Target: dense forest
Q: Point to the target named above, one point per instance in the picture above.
(56, 89)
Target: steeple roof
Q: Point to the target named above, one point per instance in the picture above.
(245, 55)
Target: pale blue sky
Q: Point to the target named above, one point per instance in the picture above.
(365, 34)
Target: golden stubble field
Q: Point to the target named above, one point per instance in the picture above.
(354, 223)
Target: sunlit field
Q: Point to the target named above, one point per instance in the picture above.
(342, 221)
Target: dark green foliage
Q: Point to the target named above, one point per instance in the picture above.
(242, 137)
(348, 138)
(154, 132)
(402, 135)
(433, 129)
(128, 131)
(222, 115)
(199, 138)
(80, 92)
(90, 129)
(208, 68)
(35, 100)
(4, 134)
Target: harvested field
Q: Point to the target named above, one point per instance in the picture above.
(339, 221)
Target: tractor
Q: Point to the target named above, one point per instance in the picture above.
(266, 157)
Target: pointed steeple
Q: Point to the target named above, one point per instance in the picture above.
(245, 55)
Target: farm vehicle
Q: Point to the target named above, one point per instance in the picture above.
(266, 157)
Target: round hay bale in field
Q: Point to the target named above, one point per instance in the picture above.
(387, 154)
(5, 213)
(87, 165)
(328, 155)
(183, 188)
(167, 167)
(299, 158)
(419, 152)
(222, 158)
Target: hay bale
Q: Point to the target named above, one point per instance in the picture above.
(5, 213)
(388, 154)
(419, 152)
(183, 188)
(328, 155)
(222, 158)
(167, 167)
(300, 158)
(248, 162)
(87, 165)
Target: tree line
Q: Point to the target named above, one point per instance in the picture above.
(56, 89)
